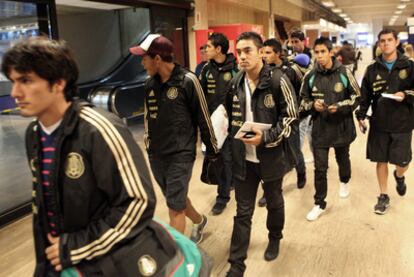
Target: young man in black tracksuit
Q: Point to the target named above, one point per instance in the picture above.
(297, 40)
(175, 107)
(258, 94)
(392, 119)
(272, 52)
(330, 93)
(215, 78)
(93, 199)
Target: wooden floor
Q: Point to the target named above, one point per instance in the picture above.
(348, 240)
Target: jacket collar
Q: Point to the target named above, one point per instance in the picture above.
(336, 64)
(176, 78)
(228, 64)
(401, 62)
(70, 118)
(265, 77)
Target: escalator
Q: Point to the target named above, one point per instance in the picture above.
(121, 91)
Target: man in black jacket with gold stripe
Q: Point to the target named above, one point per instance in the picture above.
(93, 199)
(330, 93)
(260, 95)
(174, 107)
(388, 87)
(215, 78)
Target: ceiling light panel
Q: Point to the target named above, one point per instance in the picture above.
(328, 4)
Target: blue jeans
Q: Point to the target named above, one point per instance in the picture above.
(305, 130)
(294, 141)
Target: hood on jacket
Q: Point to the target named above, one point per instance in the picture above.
(228, 63)
(265, 77)
(335, 66)
(402, 61)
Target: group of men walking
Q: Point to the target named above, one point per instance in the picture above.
(85, 162)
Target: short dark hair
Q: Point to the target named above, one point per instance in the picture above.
(255, 37)
(388, 31)
(51, 60)
(297, 34)
(218, 39)
(323, 41)
(275, 44)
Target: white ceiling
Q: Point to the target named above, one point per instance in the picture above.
(368, 11)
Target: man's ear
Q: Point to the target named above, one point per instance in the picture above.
(59, 86)
(261, 51)
(157, 58)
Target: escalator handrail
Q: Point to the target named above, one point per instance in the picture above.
(112, 71)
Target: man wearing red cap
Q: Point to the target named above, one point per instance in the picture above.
(174, 107)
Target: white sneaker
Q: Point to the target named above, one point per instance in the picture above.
(343, 190)
(314, 213)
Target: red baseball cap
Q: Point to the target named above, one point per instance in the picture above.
(153, 44)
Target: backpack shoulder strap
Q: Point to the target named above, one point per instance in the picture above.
(311, 81)
(344, 80)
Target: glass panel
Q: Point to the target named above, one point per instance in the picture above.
(100, 35)
(171, 24)
(134, 24)
(18, 20)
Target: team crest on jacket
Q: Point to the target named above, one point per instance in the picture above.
(269, 102)
(74, 166)
(227, 76)
(172, 93)
(403, 74)
(147, 265)
(338, 87)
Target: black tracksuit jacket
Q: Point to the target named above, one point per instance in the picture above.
(331, 130)
(215, 79)
(173, 112)
(272, 102)
(388, 115)
(102, 189)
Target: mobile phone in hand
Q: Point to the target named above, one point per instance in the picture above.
(249, 134)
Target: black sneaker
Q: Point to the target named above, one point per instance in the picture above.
(272, 250)
(218, 208)
(301, 180)
(233, 273)
(401, 186)
(382, 205)
(197, 232)
(262, 202)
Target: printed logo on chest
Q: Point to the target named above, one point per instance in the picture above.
(75, 167)
(268, 101)
(172, 93)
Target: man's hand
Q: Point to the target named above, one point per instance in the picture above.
(256, 140)
(333, 108)
(401, 95)
(319, 105)
(362, 126)
(52, 252)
